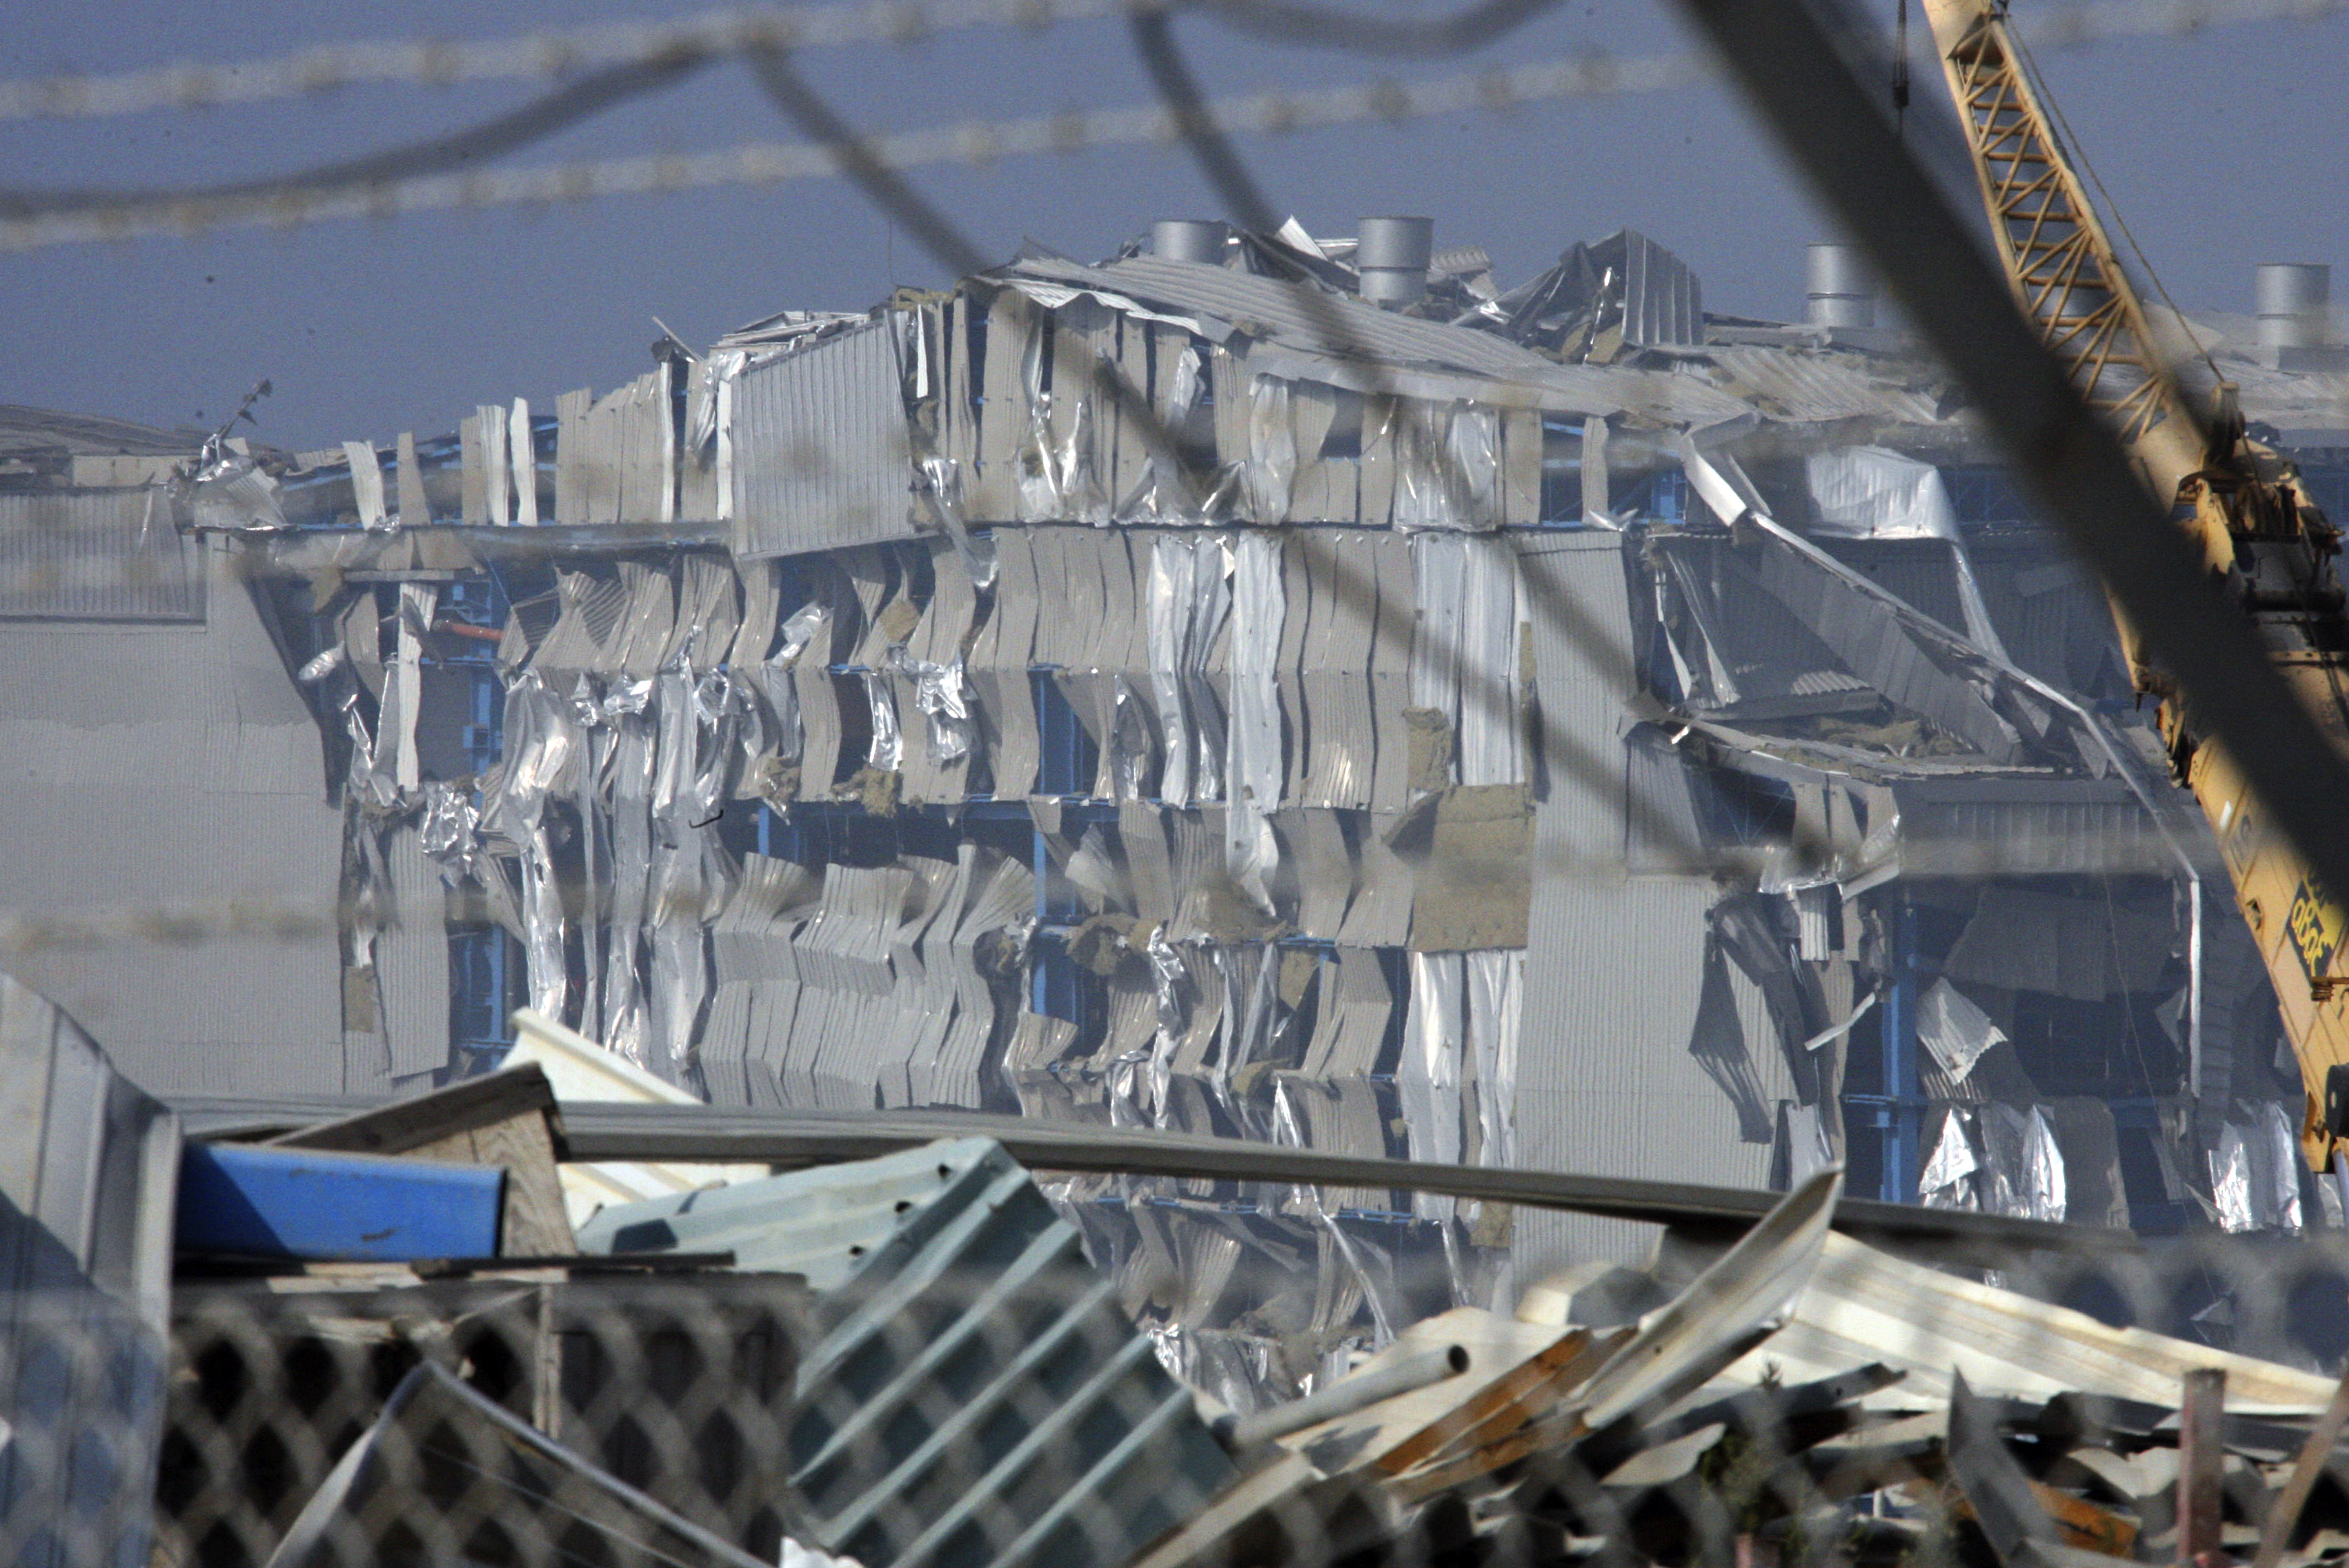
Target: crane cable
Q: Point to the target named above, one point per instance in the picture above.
(1901, 73)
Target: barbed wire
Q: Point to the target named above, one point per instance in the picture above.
(558, 52)
(416, 62)
(972, 143)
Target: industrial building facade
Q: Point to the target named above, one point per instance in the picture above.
(1553, 727)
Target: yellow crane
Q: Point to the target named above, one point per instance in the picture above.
(2241, 503)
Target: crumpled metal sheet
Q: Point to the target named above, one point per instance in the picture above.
(1495, 998)
(1954, 1029)
(1428, 1076)
(942, 695)
(1251, 852)
(941, 491)
(1996, 1159)
(885, 751)
(1059, 472)
(451, 829)
(229, 491)
(1946, 1181)
(1873, 493)
(2255, 1175)
(1269, 481)
(1448, 468)
(1163, 494)
(1188, 599)
(2025, 1163)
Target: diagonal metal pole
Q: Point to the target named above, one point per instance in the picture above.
(2283, 1516)
(1787, 61)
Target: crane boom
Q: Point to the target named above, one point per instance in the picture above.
(2243, 502)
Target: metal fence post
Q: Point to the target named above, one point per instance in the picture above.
(2202, 1453)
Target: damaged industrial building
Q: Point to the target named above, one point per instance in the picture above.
(1292, 689)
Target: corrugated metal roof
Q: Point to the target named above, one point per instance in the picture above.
(2310, 408)
(820, 453)
(1700, 388)
(1308, 318)
(1353, 344)
(1785, 383)
(1663, 303)
(89, 1166)
(97, 555)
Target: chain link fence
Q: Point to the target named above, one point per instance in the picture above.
(984, 1399)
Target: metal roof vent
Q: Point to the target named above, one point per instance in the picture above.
(1392, 255)
(2295, 300)
(1840, 290)
(1200, 240)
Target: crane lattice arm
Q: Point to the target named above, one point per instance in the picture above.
(2243, 502)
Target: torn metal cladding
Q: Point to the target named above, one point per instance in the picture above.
(85, 1216)
(1547, 728)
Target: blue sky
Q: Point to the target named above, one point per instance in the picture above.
(2222, 149)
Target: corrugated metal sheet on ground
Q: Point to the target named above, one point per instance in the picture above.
(821, 459)
(824, 1225)
(88, 1169)
(97, 555)
(976, 1395)
(1860, 1305)
(980, 1397)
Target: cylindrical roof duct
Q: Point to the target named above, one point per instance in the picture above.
(1840, 290)
(1190, 239)
(2295, 301)
(1392, 255)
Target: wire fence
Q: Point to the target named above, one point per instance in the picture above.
(1015, 1414)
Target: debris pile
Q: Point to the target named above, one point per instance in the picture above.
(388, 1342)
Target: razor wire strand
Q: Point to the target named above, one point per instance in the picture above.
(578, 100)
(556, 52)
(714, 34)
(427, 176)
(81, 218)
